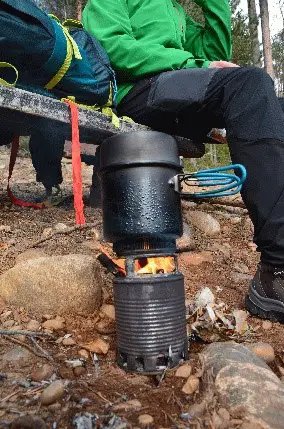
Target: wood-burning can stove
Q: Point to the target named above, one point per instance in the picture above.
(142, 218)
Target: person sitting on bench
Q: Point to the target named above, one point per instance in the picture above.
(175, 76)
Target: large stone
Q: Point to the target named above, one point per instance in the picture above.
(30, 254)
(55, 285)
(204, 222)
(246, 386)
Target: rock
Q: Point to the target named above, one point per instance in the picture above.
(184, 371)
(57, 284)
(241, 268)
(53, 325)
(191, 385)
(60, 226)
(224, 414)
(28, 422)
(262, 350)
(186, 242)
(217, 421)
(47, 317)
(236, 422)
(9, 323)
(145, 420)
(68, 342)
(245, 385)
(21, 338)
(30, 254)
(46, 232)
(83, 354)
(17, 354)
(33, 326)
(97, 346)
(132, 404)
(250, 426)
(196, 410)
(239, 277)
(224, 249)
(196, 258)
(54, 407)
(108, 310)
(52, 393)
(66, 373)
(267, 325)
(105, 327)
(79, 371)
(204, 222)
(42, 373)
(236, 220)
(5, 228)
(6, 315)
(2, 305)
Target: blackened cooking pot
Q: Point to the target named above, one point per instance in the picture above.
(141, 210)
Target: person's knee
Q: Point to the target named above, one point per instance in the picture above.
(256, 76)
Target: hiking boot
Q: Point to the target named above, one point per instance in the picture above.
(52, 197)
(266, 293)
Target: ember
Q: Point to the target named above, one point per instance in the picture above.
(155, 265)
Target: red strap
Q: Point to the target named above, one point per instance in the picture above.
(76, 169)
(76, 165)
(13, 157)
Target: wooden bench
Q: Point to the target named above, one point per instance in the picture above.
(23, 112)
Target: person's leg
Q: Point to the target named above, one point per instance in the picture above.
(46, 151)
(281, 101)
(255, 126)
(244, 101)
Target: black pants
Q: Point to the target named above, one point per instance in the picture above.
(243, 100)
(46, 148)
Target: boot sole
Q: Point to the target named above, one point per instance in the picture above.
(265, 308)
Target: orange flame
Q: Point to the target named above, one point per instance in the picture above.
(155, 265)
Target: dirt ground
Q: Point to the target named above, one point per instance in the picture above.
(99, 390)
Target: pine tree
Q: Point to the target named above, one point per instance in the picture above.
(267, 48)
(253, 28)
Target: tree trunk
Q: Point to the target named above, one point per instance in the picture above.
(267, 50)
(253, 28)
(79, 9)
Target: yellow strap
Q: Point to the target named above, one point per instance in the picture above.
(127, 119)
(105, 110)
(114, 119)
(72, 23)
(4, 65)
(72, 49)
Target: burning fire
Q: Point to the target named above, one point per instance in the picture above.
(157, 265)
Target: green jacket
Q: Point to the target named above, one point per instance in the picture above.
(145, 37)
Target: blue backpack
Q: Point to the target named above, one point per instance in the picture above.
(50, 58)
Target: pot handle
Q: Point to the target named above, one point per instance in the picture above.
(220, 182)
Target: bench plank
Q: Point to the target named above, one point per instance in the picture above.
(24, 112)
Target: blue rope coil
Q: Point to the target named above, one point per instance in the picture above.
(227, 183)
